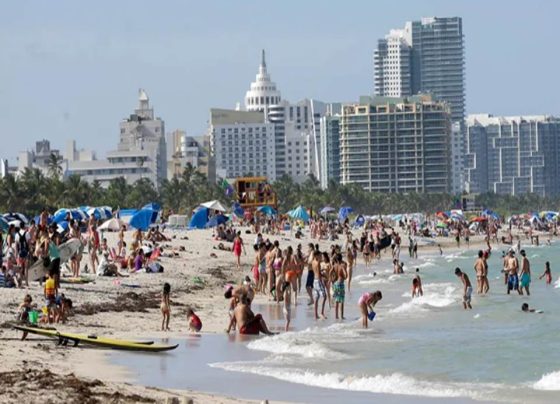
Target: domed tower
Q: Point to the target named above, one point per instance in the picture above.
(263, 91)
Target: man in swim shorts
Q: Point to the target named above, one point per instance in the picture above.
(511, 268)
(525, 274)
(318, 284)
(467, 288)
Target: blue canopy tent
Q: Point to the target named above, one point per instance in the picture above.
(199, 219)
(142, 219)
(237, 210)
(344, 212)
(217, 220)
(267, 210)
(299, 213)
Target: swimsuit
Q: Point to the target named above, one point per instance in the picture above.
(364, 298)
(237, 247)
(310, 279)
(513, 282)
(468, 295)
(338, 292)
(525, 279)
(319, 289)
(252, 327)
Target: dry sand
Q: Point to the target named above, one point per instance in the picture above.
(38, 370)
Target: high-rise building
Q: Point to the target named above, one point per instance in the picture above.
(242, 144)
(37, 158)
(330, 145)
(513, 155)
(396, 144)
(427, 56)
(141, 151)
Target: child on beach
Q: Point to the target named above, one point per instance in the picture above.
(50, 297)
(165, 307)
(366, 303)
(417, 285)
(195, 325)
(547, 273)
(24, 308)
(287, 309)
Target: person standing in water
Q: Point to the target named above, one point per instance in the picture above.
(479, 269)
(366, 303)
(467, 288)
(525, 280)
(547, 274)
(417, 285)
(512, 267)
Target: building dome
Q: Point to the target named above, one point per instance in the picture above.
(263, 91)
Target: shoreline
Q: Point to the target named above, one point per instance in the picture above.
(140, 316)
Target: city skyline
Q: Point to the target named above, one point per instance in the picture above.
(74, 74)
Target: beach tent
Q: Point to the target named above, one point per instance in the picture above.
(326, 210)
(142, 219)
(267, 210)
(344, 212)
(10, 217)
(216, 221)
(299, 213)
(237, 210)
(113, 224)
(199, 219)
(213, 205)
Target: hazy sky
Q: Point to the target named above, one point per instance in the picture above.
(72, 69)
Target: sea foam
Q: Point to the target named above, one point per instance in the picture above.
(549, 381)
(395, 383)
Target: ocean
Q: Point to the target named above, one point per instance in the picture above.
(427, 347)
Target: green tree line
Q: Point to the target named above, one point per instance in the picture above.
(32, 191)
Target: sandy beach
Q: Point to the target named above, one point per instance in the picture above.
(112, 307)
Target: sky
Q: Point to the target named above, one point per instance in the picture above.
(72, 69)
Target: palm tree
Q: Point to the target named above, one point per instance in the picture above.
(54, 165)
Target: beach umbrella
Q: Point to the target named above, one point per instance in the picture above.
(237, 210)
(214, 205)
(344, 212)
(217, 220)
(10, 217)
(152, 206)
(479, 219)
(326, 210)
(267, 210)
(62, 227)
(113, 224)
(299, 213)
(102, 213)
(76, 214)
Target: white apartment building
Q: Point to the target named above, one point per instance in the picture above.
(392, 60)
(141, 152)
(242, 143)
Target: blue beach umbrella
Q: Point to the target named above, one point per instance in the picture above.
(299, 213)
(344, 212)
(237, 210)
(76, 214)
(19, 217)
(101, 213)
(267, 210)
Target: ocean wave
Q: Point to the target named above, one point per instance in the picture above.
(395, 383)
(557, 284)
(289, 344)
(549, 381)
(435, 295)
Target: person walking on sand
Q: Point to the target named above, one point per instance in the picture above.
(547, 274)
(238, 247)
(165, 307)
(525, 279)
(467, 288)
(366, 303)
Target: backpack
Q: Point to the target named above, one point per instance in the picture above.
(23, 245)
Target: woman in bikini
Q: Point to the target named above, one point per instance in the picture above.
(326, 268)
(238, 248)
(289, 271)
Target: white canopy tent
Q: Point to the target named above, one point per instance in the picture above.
(214, 205)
